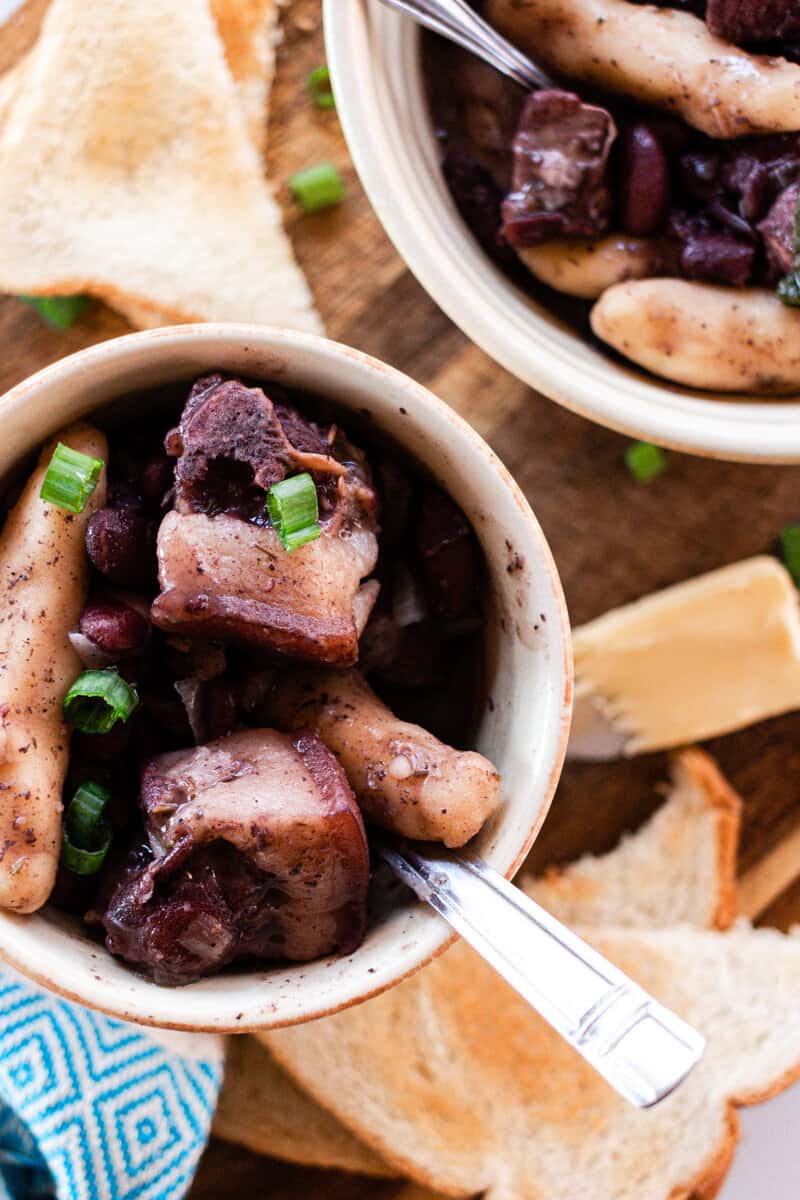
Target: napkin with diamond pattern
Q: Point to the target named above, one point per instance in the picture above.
(93, 1108)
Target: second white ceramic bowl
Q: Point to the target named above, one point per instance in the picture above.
(524, 724)
(374, 59)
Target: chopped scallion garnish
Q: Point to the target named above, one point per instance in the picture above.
(85, 862)
(790, 549)
(86, 810)
(317, 187)
(70, 479)
(319, 87)
(58, 311)
(293, 510)
(87, 836)
(645, 461)
(789, 289)
(97, 700)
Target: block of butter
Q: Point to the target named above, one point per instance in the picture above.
(693, 661)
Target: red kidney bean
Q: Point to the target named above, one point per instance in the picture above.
(645, 192)
(114, 627)
(122, 545)
(157, 479)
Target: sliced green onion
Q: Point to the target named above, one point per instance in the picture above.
(645, 461)
(58, 311)
(790, 550)
(70, 479)
(317, 187)
(319, 88)
(293, 510)
(789, 290)
(86, 810)
(87, 837)
(85, 862)
(97, 700)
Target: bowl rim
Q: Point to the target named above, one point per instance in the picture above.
(19, 949)
(361, 36)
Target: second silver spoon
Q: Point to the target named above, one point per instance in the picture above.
(454, 19)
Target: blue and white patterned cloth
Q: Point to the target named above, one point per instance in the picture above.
(96, 1109)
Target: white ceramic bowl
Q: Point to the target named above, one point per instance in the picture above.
(523, 730)
(374, 59)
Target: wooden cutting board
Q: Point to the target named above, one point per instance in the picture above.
(613, 539)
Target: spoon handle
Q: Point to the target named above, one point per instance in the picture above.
(454, 19)
(637, 1045)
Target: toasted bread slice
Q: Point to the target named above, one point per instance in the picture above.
(678, 868)
(693, 661)
(455, 1082)
(127, 171)
(262, 1108)
(460, 1102)
(249, 32)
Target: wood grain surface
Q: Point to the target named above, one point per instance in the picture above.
(613, 539)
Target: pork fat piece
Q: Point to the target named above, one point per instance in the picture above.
(223, 570)
(256, 849)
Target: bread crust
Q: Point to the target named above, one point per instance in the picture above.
(727, 804)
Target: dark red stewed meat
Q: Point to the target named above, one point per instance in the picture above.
(744, 21)
(779, 229)
(223, 570)
(559, 185)
(257, 850)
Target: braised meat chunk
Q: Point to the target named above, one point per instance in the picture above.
(231, 446)
(405, 779)
(779, 230)
(744, 21)
(256, 849)
(223, 570)
(559, 187)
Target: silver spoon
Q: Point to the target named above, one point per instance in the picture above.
(454, 19)
(641, 1048)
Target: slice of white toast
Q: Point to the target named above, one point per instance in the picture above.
(262, 1107)
(693, 661)
(454, 1082)
(127, 171)
(679, 868)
